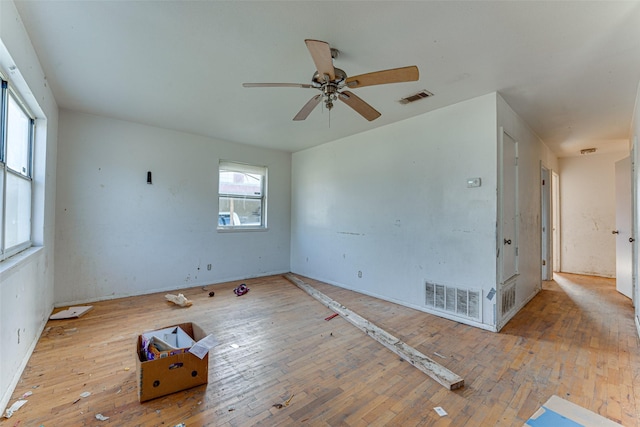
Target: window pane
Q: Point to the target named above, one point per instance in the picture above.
(18, 141)
(18, 211)
(238, 211)
(240, 183)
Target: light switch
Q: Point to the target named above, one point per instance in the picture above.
(473, 182)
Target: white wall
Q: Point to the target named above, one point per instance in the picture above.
(118, 236)
(393, 203)
(26, 280)
(588, 214)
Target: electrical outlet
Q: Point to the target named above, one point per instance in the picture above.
(474, 182)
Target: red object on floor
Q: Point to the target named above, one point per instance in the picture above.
(331, 317)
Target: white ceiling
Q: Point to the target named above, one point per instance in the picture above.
(570, 69)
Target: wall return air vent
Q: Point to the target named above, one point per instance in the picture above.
(458, 301)
(418, 96)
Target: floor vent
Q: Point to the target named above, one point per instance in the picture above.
(508, 299)
(458, 301)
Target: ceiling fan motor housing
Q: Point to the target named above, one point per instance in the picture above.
(318, 81)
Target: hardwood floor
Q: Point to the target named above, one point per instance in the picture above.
(576, 339)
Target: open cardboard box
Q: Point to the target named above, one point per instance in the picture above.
(172, 373)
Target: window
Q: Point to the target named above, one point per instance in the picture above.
(241, 196)
(16, 146)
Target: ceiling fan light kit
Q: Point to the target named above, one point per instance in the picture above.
(331, 81)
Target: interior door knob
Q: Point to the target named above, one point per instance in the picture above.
(615, 232)
(507, 242)
(631, 240)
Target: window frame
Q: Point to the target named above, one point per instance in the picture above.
(7, 92)
(247, 169)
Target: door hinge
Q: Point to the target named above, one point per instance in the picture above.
(544, 262)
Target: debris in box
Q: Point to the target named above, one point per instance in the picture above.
(241, 290)
(166, 342)
(13, 408)
(179, 299)
(202, 347)
(71, 312)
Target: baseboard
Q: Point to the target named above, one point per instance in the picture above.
(6, 397)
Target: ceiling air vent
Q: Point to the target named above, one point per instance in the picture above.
(418, 96)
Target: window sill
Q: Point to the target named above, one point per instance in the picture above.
(14, 262)
(240, 229)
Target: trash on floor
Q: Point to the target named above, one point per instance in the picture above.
(101, 417)
(440, 411)
(211, 294)
(13, 408)
(331, 317)
(241, 290)
(282, 405)
(71, 312)
(179, 299)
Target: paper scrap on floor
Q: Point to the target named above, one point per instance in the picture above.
(71, 312)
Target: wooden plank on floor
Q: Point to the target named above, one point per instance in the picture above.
(425, 364)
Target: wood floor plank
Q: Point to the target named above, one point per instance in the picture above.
(575, 339)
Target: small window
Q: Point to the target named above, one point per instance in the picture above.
(241, 196)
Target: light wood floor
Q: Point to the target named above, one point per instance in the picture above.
(576, 339)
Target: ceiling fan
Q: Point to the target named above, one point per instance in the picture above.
(332, 81)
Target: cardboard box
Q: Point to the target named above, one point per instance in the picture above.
(171, 373)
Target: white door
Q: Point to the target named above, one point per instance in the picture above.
(623, 232)
(509, 208)
(555, 222)
(545, 204)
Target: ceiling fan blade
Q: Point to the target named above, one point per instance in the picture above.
(361, 107)
(276, 85)
(308, 108)
(395, 75)
(321, 54)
